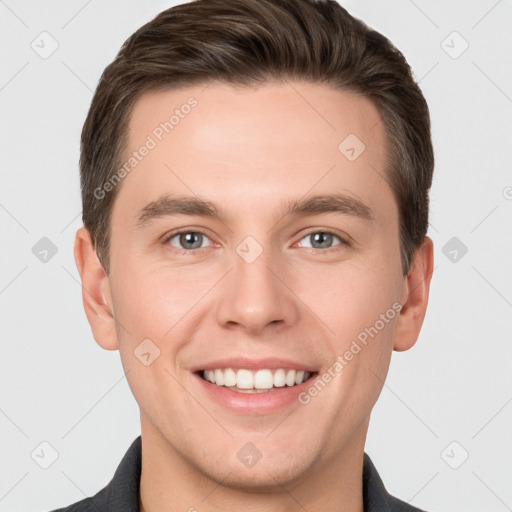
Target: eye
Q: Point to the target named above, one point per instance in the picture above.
(190, 241)
(322, 241)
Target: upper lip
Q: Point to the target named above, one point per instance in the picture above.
(253, 364)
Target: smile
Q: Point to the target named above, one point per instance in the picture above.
(255, 381)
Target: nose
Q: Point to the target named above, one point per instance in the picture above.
(258, 294)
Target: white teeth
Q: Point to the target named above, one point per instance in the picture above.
(219, 377)
(244, 379)
(290, 378)
(264, 379)
(279, 378)
(229, 378)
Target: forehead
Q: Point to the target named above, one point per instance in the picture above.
(261, 144)
(313, 113)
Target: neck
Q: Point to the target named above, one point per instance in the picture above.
(169, 481)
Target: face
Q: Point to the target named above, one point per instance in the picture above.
(255, 238)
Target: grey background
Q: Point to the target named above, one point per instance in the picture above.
(447, 398)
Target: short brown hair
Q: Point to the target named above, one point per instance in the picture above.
(251, 42)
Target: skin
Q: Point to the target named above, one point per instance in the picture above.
(248, 149)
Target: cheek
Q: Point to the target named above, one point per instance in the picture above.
(149, 308)
(359, 305)
(349, 297)
(362, 312)
(154, 302)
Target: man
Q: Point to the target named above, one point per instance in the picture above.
(289, 145)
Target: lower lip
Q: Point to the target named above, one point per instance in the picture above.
(255, 403)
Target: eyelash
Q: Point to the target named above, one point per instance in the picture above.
(314, 250)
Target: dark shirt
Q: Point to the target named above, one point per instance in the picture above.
(121, 494)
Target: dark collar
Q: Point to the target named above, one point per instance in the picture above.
(122, 492)
(375, 496)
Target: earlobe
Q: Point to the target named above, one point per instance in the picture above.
(415, 297)
(96, 294)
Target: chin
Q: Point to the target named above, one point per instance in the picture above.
(263, 479)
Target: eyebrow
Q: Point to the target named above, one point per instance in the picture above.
(171, 205)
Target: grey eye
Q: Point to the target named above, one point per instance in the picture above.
(321, 239)
(189, 240)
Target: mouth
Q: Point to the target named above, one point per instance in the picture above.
(264, 380)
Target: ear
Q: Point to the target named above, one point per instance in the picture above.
(96, 294)
(415, 297)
